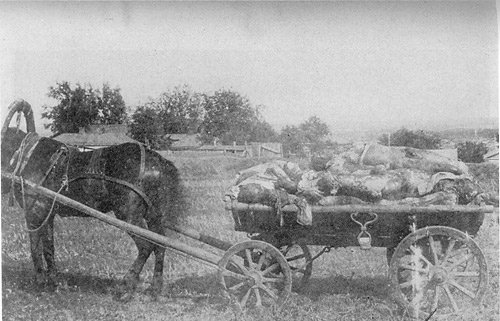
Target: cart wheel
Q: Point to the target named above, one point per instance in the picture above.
(255, 274)
(438, 270)
(299, 259)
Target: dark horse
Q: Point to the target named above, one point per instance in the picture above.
(136, 184)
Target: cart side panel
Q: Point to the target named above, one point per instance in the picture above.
(339, 230)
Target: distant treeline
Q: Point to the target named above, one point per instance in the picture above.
(469, 134)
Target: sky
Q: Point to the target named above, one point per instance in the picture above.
(353, 64)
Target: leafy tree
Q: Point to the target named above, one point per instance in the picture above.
(409, 138)
(82, 106)
(145, 126)
(180, 110)
(111, 106)
(230, 118)
(471, 152)
(292, 139)
(315, 132)
(312, 133)
(263, 132)
(226, 116)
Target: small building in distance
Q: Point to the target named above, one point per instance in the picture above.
(96, 136)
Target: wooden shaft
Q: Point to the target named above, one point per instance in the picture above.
(154, 237)
(192, 233)
(396, 209)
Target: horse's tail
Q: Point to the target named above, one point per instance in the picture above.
(166, 191)
(180, 206)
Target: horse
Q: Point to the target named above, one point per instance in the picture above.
(134, 183)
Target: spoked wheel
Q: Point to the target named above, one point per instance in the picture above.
(438, 270)
(255, 274)
(299, 259)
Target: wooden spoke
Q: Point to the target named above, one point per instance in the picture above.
(244, 300)
(433, 250)
(273, 280)
(459, 262)
(237, 286)
(269, 292)
(448, 250)
(262, 259)
(234, 275)
(270, 269)
(420, 256)
(423, 258)
(240, 266)
(298, 270)
(406, 284)
(257, 296)
(248, 255)
(465, 274)
(450, 297)
(461, 288)
(435, 300)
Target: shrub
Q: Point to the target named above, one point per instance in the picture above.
(416, 139)
(472, 152)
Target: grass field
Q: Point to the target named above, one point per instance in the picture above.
(347, 284)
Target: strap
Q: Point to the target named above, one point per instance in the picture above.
(116, 181)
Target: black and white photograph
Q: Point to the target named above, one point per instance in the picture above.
(250, 160)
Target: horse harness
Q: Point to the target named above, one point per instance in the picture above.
(94, 171)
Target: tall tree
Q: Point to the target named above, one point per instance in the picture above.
(292, 139)
(82, 106)
(229, 117)
(312, 134)
(146, 126)
(180, 110)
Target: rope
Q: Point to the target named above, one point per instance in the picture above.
(17, 158)
(47, 218)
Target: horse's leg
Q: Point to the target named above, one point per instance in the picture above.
(36, 246)
(157, 283)
(130, 212)
(144, 251)
(33, 221)
(47, 236)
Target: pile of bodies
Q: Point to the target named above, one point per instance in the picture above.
(365, 174)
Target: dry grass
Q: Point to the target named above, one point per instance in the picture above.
(347, 284)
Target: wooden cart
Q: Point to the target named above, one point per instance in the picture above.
(435, 266)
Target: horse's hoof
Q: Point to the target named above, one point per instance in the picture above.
(40, 280)
(153, 293)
